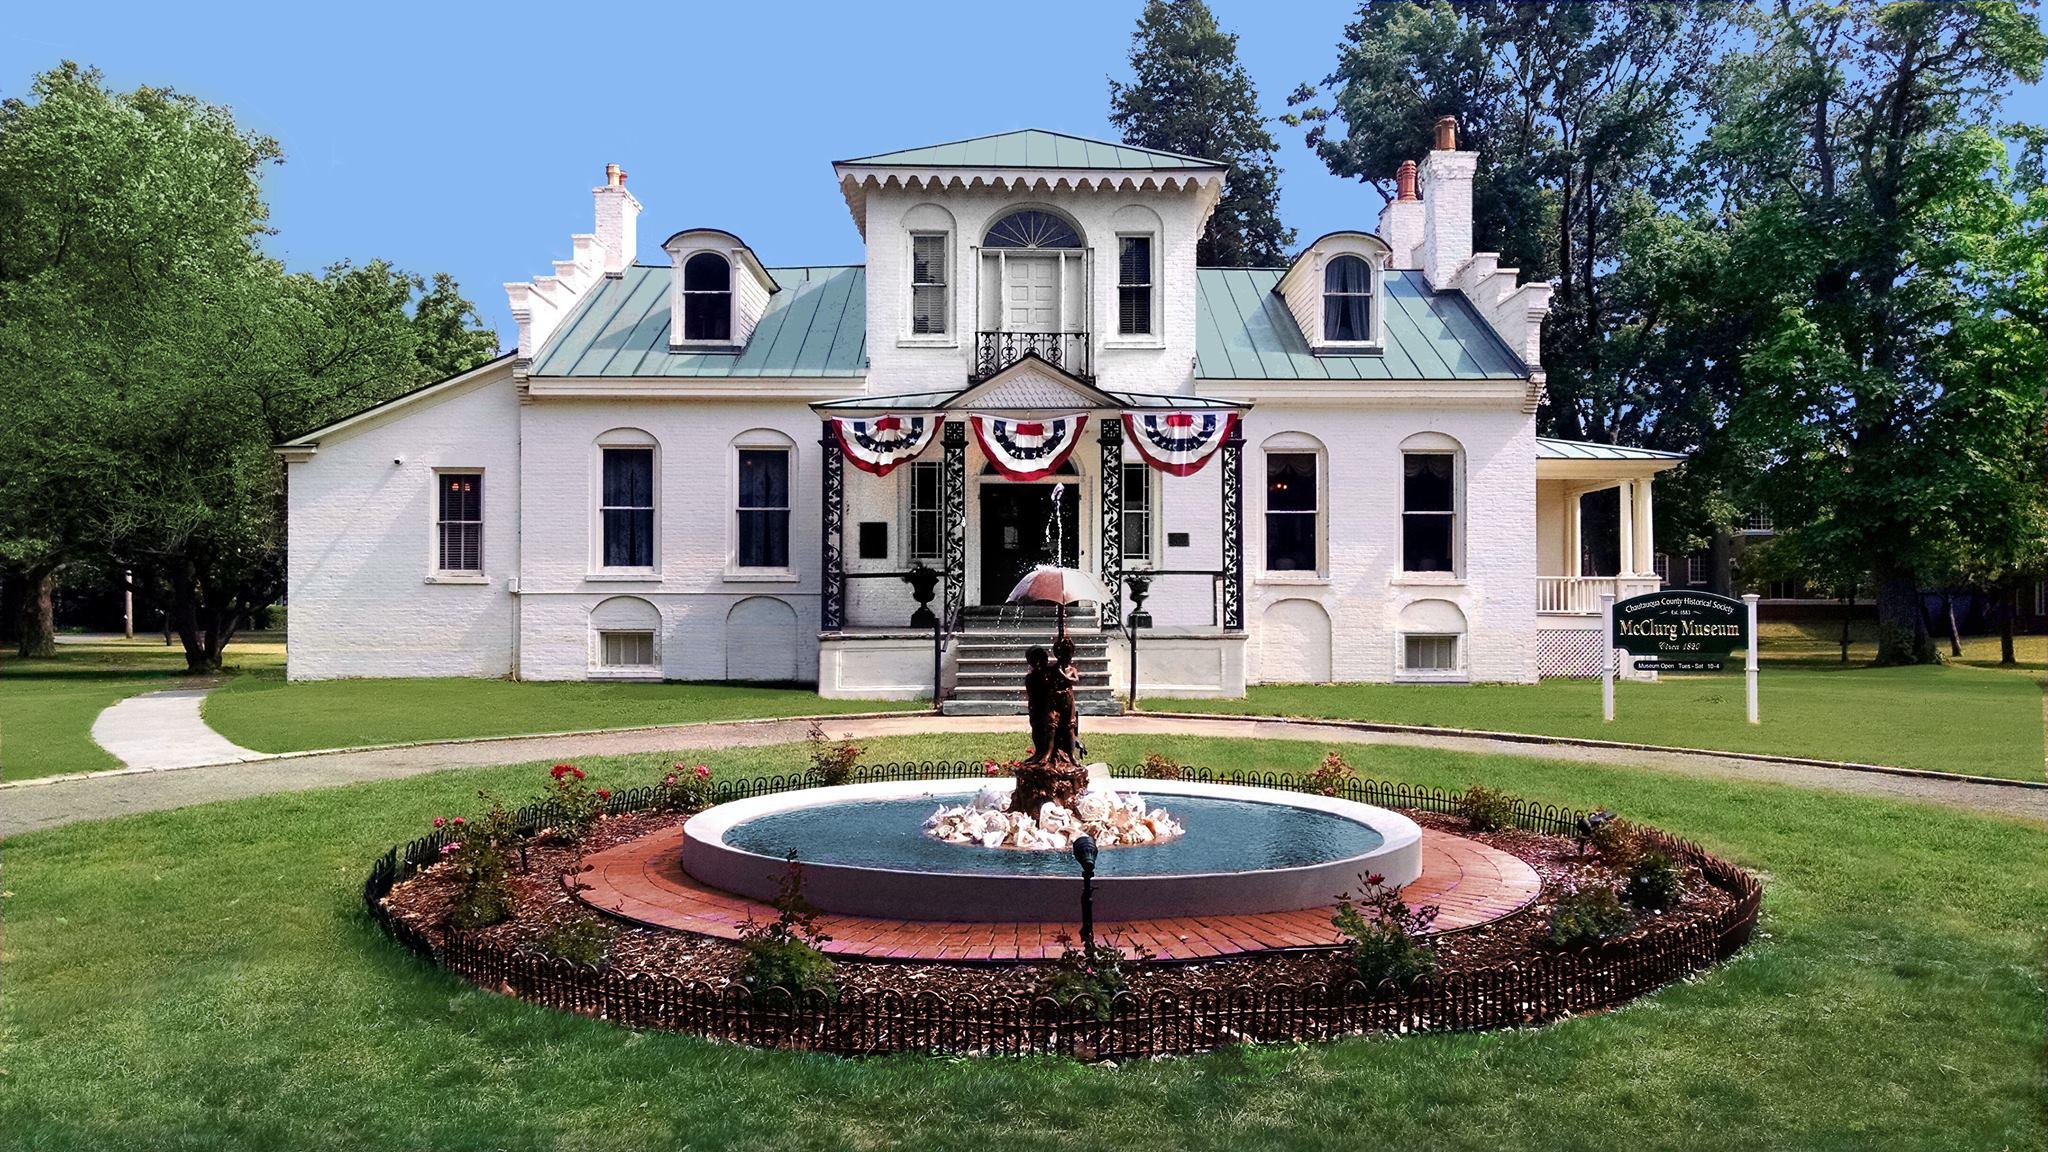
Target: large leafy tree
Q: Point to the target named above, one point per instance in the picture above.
(155, 354)
(1892, 387)
(1189, 94)
(1578, 113)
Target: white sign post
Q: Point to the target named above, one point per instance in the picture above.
(1607, 663)
(1749, 663)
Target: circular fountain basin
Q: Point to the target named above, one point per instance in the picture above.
(864, 851)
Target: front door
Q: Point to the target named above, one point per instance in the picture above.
(1032, 294)
(1017, 535)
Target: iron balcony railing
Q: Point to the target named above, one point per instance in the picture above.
(1067, 351)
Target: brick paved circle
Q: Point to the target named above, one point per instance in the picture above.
(643, 881)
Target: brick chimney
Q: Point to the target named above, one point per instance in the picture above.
(1446, 206)
(1401, 220)
(618, 221)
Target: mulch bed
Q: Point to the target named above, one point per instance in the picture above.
(541, 902)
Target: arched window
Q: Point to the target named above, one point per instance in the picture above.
(1347, 300)
(707, 297)
(1031, 228)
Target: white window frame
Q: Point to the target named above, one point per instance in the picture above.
(1456, 513)
(1296, 443)
(1696, 568)
(1116, 336)
(651, 664)
(1404, 671)
(936, 471)
(622, 438)
(436, 574)
(1375, 295)
(758, 440)
(950, 337)
(1148, 510)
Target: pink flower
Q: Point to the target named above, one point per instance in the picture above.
(1375, 879)
(459, 821)
(991, 769)
(669, 779)
(451, 849)
(439, 822)
(703, 771)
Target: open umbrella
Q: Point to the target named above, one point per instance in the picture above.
(1062, 586)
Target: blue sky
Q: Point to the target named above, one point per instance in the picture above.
(468, 142)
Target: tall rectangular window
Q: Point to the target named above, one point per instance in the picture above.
(1429, 512)
(928, 284)
(764, 508)
(1134, 286)
(1137, 512)
(925, 525)
(1696, 568)
(461, 520)
(628, 508)
(1291, 508)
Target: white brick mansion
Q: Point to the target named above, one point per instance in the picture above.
(1328, 471)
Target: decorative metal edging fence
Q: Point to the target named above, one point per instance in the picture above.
(1533, 992)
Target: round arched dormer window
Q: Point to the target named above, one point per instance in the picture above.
(1032, 228)
(1347, 300)
(707, 297)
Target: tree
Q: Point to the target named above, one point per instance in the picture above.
(1189, 94)
(1893, 380)
(1578, 113)
(156, 355)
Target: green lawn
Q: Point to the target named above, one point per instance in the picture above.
(267, 713)
(47, 706)
(204, 979)
(1971, 716)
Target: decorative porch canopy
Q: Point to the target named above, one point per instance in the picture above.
(1579, 468)
(1028, 419)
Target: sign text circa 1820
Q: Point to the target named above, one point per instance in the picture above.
(1681, 631)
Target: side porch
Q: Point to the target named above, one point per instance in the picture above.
(1596, 537)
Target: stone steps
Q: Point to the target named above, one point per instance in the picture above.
(988, 674)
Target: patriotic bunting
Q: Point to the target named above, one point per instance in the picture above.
(878, 444)
(1178, 443)
(1027, 449)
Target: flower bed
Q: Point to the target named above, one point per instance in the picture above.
(1510, 972)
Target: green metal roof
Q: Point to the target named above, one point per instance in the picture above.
(1243, 331)
(1548, 448)
(817, 325)
(1035, 148)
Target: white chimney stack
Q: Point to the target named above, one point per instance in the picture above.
(1446, 206)
(1401, 220)
(618, 221)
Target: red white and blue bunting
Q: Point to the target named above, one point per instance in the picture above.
(1027, 449)
(1178, 443)
(878, 444)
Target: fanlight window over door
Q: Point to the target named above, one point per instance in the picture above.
(1031, 228)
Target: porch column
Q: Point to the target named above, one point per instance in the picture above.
(1625, 501)
(1233, 529)
(1646, 530)
(1113, 517)
(953, 502)
(1574, 542)
(832, 577)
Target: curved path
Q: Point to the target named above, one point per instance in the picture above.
(33, 804)
(159, 730)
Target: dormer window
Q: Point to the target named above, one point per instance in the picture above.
(707, 298)
(1347, 301)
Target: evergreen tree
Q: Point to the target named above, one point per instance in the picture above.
(1189, 94)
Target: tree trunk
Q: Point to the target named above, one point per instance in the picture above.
(2008, 608)
(38, 620)
(1955, 634)
(185, 609)
(1902, 636)
(1848, 614)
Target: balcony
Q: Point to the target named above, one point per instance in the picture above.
(995, 351)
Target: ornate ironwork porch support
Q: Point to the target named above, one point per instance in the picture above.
(1233, 530)
(954, 506)
(1113, 519)
(832, 577)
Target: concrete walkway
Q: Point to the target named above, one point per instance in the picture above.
(163, 730)
(30, 805)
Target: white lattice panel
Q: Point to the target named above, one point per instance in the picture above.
(1572, 653)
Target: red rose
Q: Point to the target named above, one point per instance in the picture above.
(578, 772)
(603, 794)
